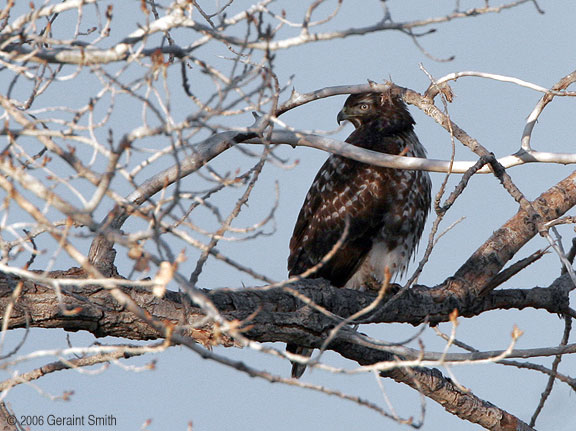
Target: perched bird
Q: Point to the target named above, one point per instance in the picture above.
(383, 209)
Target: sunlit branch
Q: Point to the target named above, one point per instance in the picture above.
(305, 37)
(403, 162)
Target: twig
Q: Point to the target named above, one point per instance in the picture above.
(552, 378)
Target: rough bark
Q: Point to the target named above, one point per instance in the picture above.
(272, 314)
(279, 317)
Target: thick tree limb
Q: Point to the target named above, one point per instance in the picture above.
(278, 317)
(491, 257)
(435, 386)
(270, 314)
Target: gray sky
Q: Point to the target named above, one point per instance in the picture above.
(182, 388)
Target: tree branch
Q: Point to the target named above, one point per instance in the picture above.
(267, 314)
(435, 386)
(491, 257)
(271, 315)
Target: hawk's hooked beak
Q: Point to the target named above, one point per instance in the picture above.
(346, 115)
(342, 116)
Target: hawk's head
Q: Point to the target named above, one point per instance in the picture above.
(363, 108)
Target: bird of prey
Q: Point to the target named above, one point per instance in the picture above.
(382, 210)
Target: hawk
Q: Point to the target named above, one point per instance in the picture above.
(383, 210)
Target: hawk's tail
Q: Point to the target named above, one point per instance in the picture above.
(297, 368)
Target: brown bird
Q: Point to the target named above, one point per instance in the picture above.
(385, 208)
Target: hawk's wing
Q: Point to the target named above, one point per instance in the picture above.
(368, 196)
(342, 190)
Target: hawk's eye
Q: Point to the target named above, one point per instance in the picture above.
(364, 107)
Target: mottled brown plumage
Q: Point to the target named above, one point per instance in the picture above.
(385, 208)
